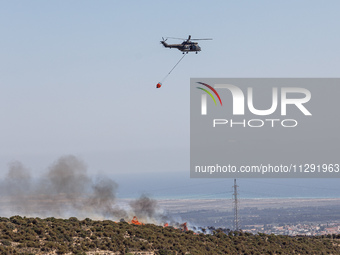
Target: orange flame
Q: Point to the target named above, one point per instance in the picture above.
(135, 221)
(184, 227)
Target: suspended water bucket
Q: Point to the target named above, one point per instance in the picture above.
(158, 85)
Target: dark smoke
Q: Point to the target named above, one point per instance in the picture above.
(67, 176)
(66, 190)
(144, 207)
(103, 199)
(104, 194)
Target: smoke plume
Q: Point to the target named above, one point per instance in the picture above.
(67, 190)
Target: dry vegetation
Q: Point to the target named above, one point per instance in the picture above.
(72, 236)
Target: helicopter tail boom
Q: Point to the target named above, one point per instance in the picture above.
(165, 44)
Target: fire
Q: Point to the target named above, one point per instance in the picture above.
(135, 221)
(184, 227)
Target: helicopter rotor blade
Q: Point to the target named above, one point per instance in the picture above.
(201, 39)
(176, 38)
(188, 39)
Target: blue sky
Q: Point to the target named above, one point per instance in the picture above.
(78, 77)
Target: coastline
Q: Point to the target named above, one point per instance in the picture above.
(181, 205)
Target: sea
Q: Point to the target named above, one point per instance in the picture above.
(179, 185)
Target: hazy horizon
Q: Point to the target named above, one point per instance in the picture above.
(79, 78)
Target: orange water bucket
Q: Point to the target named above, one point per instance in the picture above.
(158, 85)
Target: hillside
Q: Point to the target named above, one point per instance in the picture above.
(20, 235)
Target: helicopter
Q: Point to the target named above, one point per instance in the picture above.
(186, 46)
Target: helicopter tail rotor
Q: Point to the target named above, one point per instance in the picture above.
(164, 42)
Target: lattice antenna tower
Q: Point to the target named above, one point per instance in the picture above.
(236, 204)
